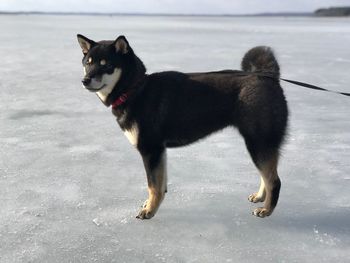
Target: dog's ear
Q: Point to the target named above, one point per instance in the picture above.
(85, 43)
(121, 45)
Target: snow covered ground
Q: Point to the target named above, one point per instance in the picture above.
(71, 185)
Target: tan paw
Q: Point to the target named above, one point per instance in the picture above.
(145, 214)
(261, 212)
(255, 198)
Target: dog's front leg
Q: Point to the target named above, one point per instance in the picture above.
(155, 166)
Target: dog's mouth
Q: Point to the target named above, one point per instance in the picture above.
(95, 90)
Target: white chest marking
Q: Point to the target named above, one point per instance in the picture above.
(132, 134)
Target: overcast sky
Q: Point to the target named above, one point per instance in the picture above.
(171, 6)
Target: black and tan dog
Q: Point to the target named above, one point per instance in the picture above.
(172, 109)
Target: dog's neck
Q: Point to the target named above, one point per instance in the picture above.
(133, 88)
(113, 97)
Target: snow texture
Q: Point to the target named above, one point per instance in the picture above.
(71, 184)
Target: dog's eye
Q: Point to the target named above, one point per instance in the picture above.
(89, 61)
(103, 62)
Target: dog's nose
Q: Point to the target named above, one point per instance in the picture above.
(86, 81)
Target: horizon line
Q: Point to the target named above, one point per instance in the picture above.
(151, 14)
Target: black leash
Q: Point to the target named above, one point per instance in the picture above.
(273, 76)
(306, 85)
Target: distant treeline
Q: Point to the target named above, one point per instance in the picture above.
(333, 11)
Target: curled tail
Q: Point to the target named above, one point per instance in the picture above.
(261, 59)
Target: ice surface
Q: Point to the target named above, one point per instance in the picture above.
(71, 184)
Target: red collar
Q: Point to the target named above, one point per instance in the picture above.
(120, 100)
(124, 97)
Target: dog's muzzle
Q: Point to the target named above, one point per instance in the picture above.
(86, 81)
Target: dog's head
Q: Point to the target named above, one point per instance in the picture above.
(103, 64)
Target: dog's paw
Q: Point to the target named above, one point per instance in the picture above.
(145, 214)
(261, 212)
(255, 198)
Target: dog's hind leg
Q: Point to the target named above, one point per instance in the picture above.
(155, 166)
(268, 169)
(266, 160)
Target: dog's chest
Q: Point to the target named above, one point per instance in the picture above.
(132, 134)
(130, 129)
